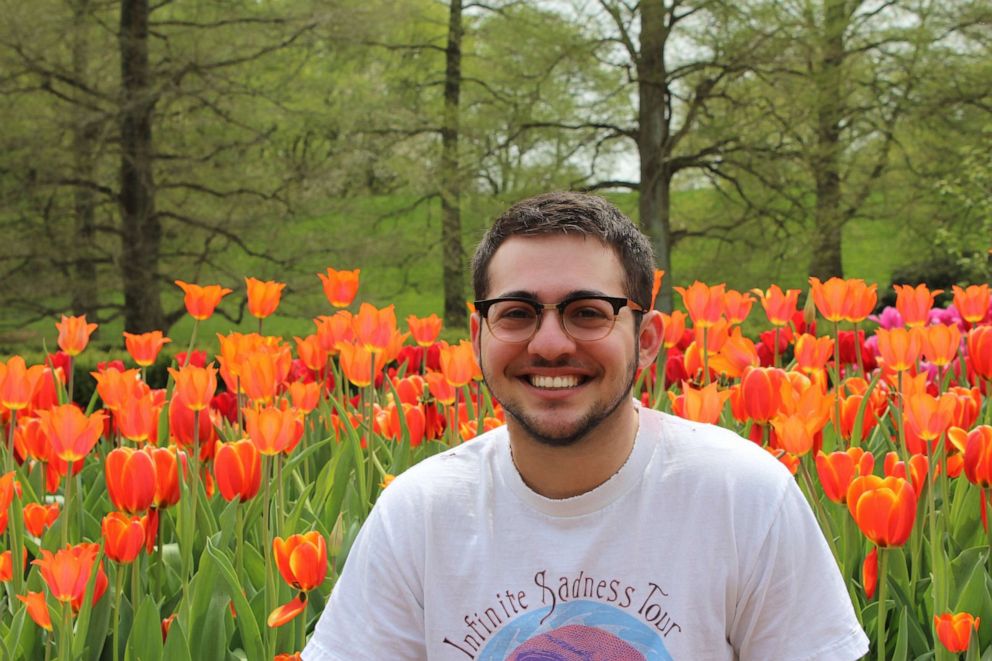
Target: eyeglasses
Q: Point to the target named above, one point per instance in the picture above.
(584, 318)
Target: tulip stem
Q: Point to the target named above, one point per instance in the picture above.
(66, 505)
(118, 588)
(239, 551)
(706, 360)
(135, 584)
(69, 379)
(857, 351)
(192, 340)
(775, 348)
(837, 376)
(267, 549)
(988, 531)
(883, 585)
(65, 640)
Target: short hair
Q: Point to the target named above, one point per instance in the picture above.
(571, 213)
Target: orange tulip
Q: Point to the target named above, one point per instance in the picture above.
(7, 565)
(115, 387)
(263, 372)
(272, 429)
(703, 302)
(655, 287)
(356, 363)
(849, 407)
(340, 287)
(202, 301)
(737, 306)
(18, 383)
(861, 300)
(74, 334)
(914, 303)
(166, 474)
(37, 609)
(238, 468)
(972, 302)
(918, 469)
(263, 297)
(980, 350)
(311, 353)
(439, 387)
(976, 446)
(736, 354)
(701, 405)
(145, 347)
(183, 430)
(795, 433)
(424, 331)
(458, 363)
(374, 328)
(928, 417)
(38, 517)
(812, 353)
(301, 559)
(31, 441)
(71, 433)
(137, 419)
(883, 508)
(123, 536)
(130, 476)
(954, 630)
(761, 393)
(67, 571)
(779, 306)
(674, 327)
(305, 396)
(837, 469)
(830, 297)
(940, 343)
(869, 572)
(287, 611)
(195, 385)
(334, 330)
(899, 348)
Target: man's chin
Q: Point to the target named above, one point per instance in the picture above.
(553, 434)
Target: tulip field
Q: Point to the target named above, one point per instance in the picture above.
(208, 519)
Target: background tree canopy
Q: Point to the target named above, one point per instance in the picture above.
(205, 141)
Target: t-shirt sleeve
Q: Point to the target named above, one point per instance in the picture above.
(794, 605)
(376, 608)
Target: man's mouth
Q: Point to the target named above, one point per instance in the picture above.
(555, 382)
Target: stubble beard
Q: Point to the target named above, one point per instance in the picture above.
(583, 427)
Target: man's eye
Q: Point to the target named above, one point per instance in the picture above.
(518, 312)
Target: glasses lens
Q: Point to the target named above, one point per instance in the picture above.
(588, 319)
(512, 321)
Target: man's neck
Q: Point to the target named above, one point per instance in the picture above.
(570, 470)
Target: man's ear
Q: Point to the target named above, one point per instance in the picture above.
(475, 328)
(650, 337)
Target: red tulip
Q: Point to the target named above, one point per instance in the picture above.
(838, 469)
(954, 630)
(301, 559)
(884, 509)
(869, 572)
(130, 478)
(67, 571)
(37, 609)
(38, 517)
(123, 536)
(237, 467)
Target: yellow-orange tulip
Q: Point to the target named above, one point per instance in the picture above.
(71, 432)
(883, 508)
(144, 348)
(115, 387)
(263, 297)
(374, 328)
(838, 469)
(940, 343)
(899, 348)
(357, 364)
(195, 385)
(812, 353)
(18, 383)
(458, 364)
(67, 571)
(779, 306)
(37, 609)
(703, 302)
(972, 302)
(424, 331)
(830, 297)
(340, 287)
(272, 429)
(699, 404)
(334, 330)
(674, 327)
(202, 301)
(736, 306)
(861, 300)
(301, 559)
(74, 334)
(914, 303)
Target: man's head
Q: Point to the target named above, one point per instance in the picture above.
(577, 214)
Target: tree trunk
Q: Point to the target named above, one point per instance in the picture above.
(141, 229)
(83, 283)
(455, 314)
(652, 136)
(828, 223)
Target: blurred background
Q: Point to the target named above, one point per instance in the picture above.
(756, 142)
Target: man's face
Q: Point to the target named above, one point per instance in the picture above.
(596, 377)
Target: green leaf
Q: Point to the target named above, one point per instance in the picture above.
(145, 641)
(902, 638)
(205, 613)
(176, 648)
(251, 636)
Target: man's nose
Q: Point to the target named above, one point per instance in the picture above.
(550, 340)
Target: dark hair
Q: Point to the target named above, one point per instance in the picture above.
(571, 213)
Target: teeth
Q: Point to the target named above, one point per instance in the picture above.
(554, 381)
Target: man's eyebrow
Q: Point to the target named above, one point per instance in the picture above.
(575, 293)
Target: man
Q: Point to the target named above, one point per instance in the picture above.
(587, 527)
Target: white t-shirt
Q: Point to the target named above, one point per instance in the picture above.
(700, 547)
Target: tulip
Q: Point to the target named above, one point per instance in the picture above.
(918, 468)
(899, 348)
(287, 611)
(424, 331)
(761, 392)
(869, 572)
(914, 303)
(7, 565)
(837, 469)
(701, 405)
(736, 354)
(861, 300)
(145, 347)
(849, 407)
(779, 306)
(301, 559)
(928, 417)
(736, 306)
(137, 418)
(440, 388)
(123, 536)
(305, 396)
(263, 297)
(195, 385)
(238, 469)
(883, 508)
(674, 327)
(130, 476)
(38, 517)
(795, 433)
(273, 430)
(356, 363)
(74, 334)
(972, 303)
(67, 571)
(703, 303)
(115, 387)
(202, 301)
(71, 433)
(18, 383)
(310, 351)
(334, 330)
(976, 446)
(182, 421)
(980, 350)
(374, 328)
(830, 297)
(340, 287)
(954, 630)
(940, 343)
(458, 363)
(166, 474)
(812, 353)
(37, 609)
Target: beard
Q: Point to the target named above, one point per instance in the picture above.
(566, 435)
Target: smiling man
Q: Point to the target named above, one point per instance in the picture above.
(587, 527)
